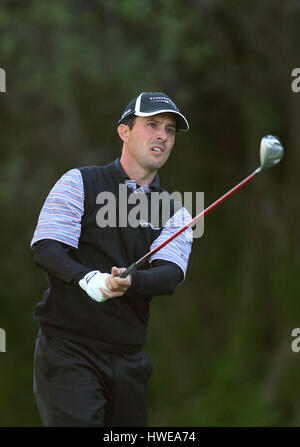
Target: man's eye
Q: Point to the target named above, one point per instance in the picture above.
(171, 131)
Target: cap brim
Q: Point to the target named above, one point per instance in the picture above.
(182, 121)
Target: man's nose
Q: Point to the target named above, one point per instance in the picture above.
(162, 134)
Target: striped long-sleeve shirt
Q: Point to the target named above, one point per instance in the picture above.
(61, 214)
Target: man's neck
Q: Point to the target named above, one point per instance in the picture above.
(137, 173)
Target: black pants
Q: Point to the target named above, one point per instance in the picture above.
(76, 385)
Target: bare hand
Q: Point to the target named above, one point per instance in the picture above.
(117, 286)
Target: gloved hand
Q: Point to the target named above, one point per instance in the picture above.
(91, 283)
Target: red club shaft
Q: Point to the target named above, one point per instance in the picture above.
(189, 224)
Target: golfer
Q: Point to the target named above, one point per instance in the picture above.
(89, 366)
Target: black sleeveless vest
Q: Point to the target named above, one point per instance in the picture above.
(118, 324)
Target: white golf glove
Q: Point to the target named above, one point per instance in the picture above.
(91, 283)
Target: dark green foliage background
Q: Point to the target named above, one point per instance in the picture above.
(221, 346)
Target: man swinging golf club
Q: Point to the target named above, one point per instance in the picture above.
(89, 368)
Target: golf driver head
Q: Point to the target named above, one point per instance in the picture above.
(271, 151)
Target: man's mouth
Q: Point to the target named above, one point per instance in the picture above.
(157, 149)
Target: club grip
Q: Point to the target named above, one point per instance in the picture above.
(127, 272)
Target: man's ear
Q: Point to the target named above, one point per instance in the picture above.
(123, 131)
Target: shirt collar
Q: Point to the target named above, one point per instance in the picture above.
(155, 186)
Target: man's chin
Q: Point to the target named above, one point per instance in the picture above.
(157, 164)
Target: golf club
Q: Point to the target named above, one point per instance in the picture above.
(271, 152)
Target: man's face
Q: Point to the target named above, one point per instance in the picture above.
(151, 139)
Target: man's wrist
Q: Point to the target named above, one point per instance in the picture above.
(134, 281)
(79, 276)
